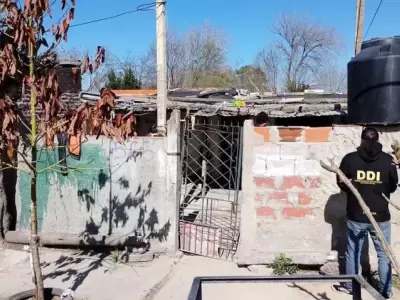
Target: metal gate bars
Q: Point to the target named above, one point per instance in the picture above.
(211, 160)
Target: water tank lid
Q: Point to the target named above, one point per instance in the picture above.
(374, 42)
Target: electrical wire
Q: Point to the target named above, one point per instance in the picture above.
(142, 7)
(373, 18)
(341, 82)
(366, 34)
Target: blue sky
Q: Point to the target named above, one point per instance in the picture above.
(247, 23)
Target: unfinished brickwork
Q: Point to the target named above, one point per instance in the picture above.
(291, 205)
(69, 80)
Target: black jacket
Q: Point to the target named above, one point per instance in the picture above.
(372, 172)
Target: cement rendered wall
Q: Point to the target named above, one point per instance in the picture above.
(291, 205)
(117, 189)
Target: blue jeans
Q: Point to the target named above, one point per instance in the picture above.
(357, 232)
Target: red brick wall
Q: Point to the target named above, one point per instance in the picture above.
(290, 204)
(285, 197)
(69, 79)
(290, 196)
(296, 134)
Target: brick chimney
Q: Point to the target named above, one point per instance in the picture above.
(69, 79)
(69, 76)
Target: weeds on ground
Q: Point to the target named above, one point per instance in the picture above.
(396, 282)
(115, 256)
(283, 265)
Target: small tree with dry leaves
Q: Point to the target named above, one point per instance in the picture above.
(27, 58)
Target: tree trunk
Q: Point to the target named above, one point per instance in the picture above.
(37, 271)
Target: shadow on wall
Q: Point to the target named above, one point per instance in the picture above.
(78, 266)
(82, 175)
(89, 178)
(335, 215)
(116, 215)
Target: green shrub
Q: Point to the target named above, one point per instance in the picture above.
(283, 265)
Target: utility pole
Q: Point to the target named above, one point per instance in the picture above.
(161, 37)
(359, 32)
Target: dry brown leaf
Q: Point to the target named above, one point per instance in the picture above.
(11, 153)
(71, 14)
(85, 64)
(49, 137)
(47, 7)
(27, 3)
(6, 121)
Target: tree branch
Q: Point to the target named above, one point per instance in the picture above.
(391, 202)
(386, 247)
(26, 161)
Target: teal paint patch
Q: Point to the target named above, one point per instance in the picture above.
(87, 174)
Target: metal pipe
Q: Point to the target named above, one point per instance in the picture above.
(89, 96)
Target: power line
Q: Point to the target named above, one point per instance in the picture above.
(142, 7)
(341, 82)
(373, 18)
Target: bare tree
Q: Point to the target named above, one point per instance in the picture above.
(148, 69)
(251, 78)
(73, 53)
(206, 52)
(142, 67)
(268, 61)
(195, 59)
(332, 79)
(176, 61)
(302, 47)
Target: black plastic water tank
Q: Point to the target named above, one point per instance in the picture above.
(373, 83)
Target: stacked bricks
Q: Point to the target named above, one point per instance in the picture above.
(286, 197)
(69, 80)
(286, 179)
(295, 134)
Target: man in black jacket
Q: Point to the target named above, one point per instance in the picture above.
(372, 172)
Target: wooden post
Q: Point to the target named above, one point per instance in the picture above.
(359, 31)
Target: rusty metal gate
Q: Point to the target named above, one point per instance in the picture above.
(211, 159)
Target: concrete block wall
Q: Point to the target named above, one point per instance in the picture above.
(121, 190)
(291, 205)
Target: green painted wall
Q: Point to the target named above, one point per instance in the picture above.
(88, 174)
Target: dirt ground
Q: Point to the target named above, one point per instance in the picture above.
(97, 276)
